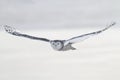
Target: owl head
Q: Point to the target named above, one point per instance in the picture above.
(57, 44)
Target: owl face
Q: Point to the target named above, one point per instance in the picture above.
(56, 44)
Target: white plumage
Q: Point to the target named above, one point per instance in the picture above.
(59, 45)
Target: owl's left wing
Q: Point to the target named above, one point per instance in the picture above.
(86, 36)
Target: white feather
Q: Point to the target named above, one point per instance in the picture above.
(86, 36)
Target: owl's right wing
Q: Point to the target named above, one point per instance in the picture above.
(86, 36)
(12, 31)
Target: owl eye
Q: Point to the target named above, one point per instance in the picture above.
(58, 43)
(53, 43)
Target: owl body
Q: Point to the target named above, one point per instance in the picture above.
(59, 45)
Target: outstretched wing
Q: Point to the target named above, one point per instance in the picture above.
(86, 36)
(12, 31)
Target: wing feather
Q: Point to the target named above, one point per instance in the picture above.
(86, 36)
(12, 31)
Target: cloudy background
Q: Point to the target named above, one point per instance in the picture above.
(57, 14)
(97, 58)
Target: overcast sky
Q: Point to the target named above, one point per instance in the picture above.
(34, 14)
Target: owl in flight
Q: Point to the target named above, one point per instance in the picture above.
(58, 45)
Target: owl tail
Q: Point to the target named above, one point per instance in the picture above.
(72, 48)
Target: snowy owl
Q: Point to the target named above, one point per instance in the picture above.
(58, 45)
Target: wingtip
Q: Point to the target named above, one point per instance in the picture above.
(5, 27)
(9, 29)
(113, 23)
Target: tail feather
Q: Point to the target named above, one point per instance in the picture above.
(73, 48)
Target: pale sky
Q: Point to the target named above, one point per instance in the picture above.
(38, 14)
